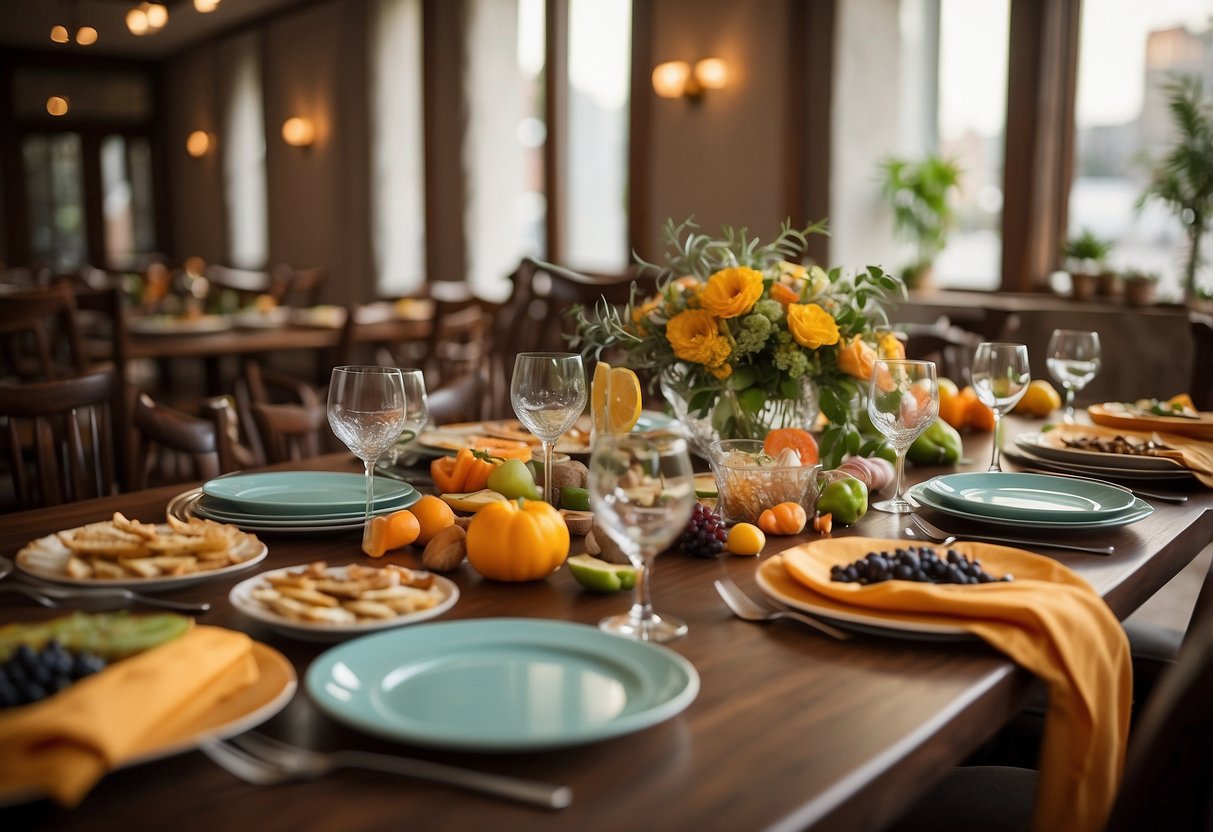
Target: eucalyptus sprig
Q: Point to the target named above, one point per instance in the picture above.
(692, 253)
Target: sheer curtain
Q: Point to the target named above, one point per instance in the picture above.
(397, 146)
(243, 148)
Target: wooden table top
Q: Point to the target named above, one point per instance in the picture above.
(790, 729)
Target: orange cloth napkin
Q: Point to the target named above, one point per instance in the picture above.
(1049, 621)
(1193, 454)
(63, 745)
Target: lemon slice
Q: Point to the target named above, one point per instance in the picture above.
(615, 399)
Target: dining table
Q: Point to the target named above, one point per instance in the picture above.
(790, 729)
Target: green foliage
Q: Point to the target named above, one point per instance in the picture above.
(1087, 246)
(1183, 178)
(919, 193)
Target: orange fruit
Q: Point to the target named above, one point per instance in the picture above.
(978, 416)
(615, 399)
(433, 515)
(1040, 399)
(390, 531)
(745, 539)
(797, 439)
(951, 405)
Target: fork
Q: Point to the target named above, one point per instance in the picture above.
(101, 598)
(262, 761)
(743, 606)
(938, 535)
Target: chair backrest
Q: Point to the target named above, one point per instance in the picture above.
(1201, 386)
(34, 326)
(950, 347)
(460, 401)
(58, 439)
(246, 283)
(300, 287)
(283, 417)
(177, 447)
(460, 340)
(111, 327)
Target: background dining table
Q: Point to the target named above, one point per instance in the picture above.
(790, 729)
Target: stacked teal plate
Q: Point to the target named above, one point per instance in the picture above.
(1036, 501)
(293, 501)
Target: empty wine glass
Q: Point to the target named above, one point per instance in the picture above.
(642, 491)
(1073, 359)
(548, 392)
(416, 411)
(367, 412)
(903, 401)
(1000, 376)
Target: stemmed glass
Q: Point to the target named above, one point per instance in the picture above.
(1000, 376)
(642, 491)
(416, 411)
(903, 402)
(548, 392)
(367, 412)
(1073, 359)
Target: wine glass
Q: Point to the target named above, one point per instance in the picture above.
(1000, 376)
(367, 412)
(548, 392)
(642, 491)
(1073, 359)
(416, 411)
(903, 402)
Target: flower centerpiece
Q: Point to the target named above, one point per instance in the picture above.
(743, 338)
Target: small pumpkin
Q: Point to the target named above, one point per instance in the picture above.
(785, 518)
(521, 540)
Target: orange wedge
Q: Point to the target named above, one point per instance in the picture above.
(614, 398)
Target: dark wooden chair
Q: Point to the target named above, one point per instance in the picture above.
(1201, 386)
(300, 287)
(246, 283)
(283, 418)
(40, 336)
(177, 447)
(58, 439)
(106, 336)
(460, 401)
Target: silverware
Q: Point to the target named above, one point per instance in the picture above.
(98, 599)
(263, 761)
(938, 535)
(743, 606)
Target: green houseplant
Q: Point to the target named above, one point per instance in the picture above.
(1183, 178)
(1085, 257)
(920, 193)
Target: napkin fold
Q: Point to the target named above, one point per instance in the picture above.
(1193, 454)
(1049, 621)
(63, 745)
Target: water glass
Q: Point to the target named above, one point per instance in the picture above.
(1001, 373)
(548, 392)
(903, 401)
(1073, 359)
(642, 491)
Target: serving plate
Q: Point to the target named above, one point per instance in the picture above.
(185, 505)
(242, 599)
(173, 325)
(46, 558)
(1018, 496)
(1052, 447)
(1114, 415)
(508, 684)
(1138, 511)
(1020, 455)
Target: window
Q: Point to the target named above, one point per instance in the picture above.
(55, 200)
(1127, 53)
(397, 155)
(597, 172)
(126, 201)
(243, 149)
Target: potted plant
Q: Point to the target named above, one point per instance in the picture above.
(1141, 288)
(1183, 179)
(919, 193)
(1085, 256)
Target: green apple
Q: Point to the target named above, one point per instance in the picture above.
(600, 576)
(512, 479)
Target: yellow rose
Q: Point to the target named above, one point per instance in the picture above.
(857, 358)
(819, 281)
(695, 336)
(811, 326)
(890, 346)
(731, 292)
(722, 372)
(791, 272)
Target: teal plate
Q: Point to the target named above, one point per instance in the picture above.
(1015, 496)
(301, 492)
(214, 510)
(1138, 511)
(505, 684)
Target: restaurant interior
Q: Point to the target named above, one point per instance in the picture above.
(206, 206)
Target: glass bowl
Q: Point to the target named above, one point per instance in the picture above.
(748, 482)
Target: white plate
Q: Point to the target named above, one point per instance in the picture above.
(255, 319)
(172, 325)
(47, 557)
(1139, 511)
(1039, 444)
(184, 506)
(242, 599)
(1021, 456)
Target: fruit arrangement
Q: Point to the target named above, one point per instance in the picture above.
(31, 675)
(915, 563)
(704, 535)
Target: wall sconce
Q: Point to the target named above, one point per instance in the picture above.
(147, 18)
(676, 79)
(198, 143)
(59, 34)
(57, 105)
(206, 6)
(298, 132)
(86, 36)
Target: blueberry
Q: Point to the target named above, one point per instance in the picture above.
(41, 674)
(25, 656)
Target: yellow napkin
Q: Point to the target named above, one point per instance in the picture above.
(63, 745)
(1049, 621)
(1193, 454)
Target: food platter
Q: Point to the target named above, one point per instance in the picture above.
(1119, 416)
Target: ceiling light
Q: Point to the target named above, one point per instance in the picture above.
(59, 34)
(147, 18)
(157, 15)
(136, 21)
(56, 105)
(206, 6)
(86, 36)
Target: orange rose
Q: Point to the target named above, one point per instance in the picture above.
(812, 326)
(731, 292)
(857, 358)
(695, 336)
(784, 293)
(890, 346)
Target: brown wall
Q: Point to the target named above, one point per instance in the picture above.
(196, 188)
